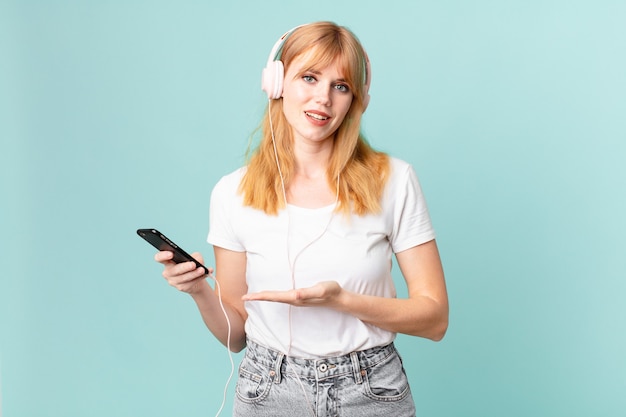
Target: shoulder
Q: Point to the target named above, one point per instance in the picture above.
(227, 188)
(400, 170)
(398, 164)
(231, 180)
(403, 180)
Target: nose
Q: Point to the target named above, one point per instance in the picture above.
(322, 94)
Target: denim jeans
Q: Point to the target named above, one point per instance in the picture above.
(361, 384)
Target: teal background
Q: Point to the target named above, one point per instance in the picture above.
(116, 115)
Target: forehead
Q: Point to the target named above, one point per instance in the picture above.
(313, 60)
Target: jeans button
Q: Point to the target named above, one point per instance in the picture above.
(323, 367)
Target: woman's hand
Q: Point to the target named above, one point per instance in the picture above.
(326, 293)
(424, 313)
(185, 277)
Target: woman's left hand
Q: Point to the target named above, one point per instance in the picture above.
(324, 293)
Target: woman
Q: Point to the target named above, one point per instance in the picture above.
(303, 237)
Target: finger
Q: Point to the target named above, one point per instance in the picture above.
(311, 293)
(296, 295)
(188, 286)
(182, 272)
(186, 281)
(163, 256)
(198, 257)
(276, 296)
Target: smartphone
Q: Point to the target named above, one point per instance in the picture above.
(162, 243)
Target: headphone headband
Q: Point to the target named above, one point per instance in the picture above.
(273, 74)
(279, 43)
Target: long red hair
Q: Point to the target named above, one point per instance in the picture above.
(362, 171)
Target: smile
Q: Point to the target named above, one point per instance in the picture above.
(316, 116)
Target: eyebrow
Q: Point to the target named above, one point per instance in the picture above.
(316, 72)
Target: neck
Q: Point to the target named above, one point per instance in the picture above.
(311, 162)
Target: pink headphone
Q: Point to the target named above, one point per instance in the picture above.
(274, 72)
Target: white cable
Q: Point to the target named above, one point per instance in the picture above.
(292, 264)
(230, 354)
(232, 363)
(287, 349)
(260, 331)
(280, 172)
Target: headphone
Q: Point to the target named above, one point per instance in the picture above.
(273, 74)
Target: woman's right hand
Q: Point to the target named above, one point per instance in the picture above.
(185, 277)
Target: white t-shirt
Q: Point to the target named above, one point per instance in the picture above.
(319, 245)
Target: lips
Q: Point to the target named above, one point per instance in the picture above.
(316, 117)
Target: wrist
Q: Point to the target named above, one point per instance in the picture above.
(344, 300)
(200, 289)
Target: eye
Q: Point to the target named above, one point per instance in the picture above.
(342, 87)
(308, 78)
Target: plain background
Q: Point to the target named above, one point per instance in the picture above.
(116, 115)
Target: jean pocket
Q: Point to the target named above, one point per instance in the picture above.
(253, 384)
(387, 380)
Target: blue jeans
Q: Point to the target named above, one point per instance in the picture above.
(361, 384)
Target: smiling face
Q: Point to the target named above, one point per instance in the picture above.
(315, 100)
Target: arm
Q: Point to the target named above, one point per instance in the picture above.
(424, 313)
(232, 285)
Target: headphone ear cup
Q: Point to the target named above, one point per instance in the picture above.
(272, 79)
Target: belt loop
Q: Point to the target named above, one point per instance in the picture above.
(356, 368)
(277, 367)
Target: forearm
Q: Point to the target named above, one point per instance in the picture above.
(208, 303)
(417, 316)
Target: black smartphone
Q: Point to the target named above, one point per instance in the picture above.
(162, 243)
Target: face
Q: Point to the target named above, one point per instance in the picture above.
(315, 101)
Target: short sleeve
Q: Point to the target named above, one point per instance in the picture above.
(223, 211)
(412, 225)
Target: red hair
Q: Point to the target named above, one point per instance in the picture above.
(362, 171)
